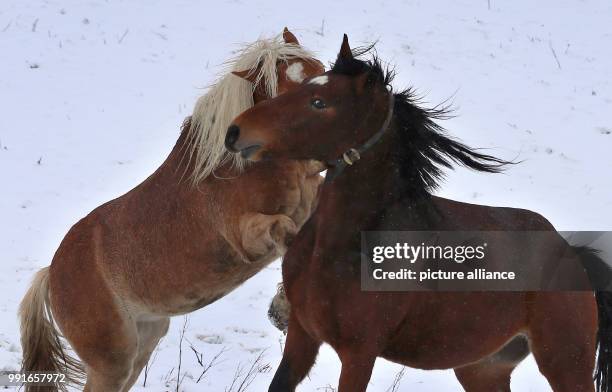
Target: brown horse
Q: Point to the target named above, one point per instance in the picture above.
(349, 113)
(169, 247)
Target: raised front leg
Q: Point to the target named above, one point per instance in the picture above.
(265, 235)
(298, 357)
(309, 186)
(280, 310)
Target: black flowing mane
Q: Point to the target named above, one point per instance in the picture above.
(425, 149)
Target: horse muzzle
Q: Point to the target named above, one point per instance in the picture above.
(235, 145)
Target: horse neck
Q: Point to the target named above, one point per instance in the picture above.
(178, 167)
(361, 191)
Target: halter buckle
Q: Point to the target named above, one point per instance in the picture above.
(351, 156)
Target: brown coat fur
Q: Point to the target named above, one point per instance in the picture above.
(164, 248)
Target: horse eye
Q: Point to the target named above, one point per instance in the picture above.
(318, 103)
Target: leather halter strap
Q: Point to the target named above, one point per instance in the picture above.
(352, 155)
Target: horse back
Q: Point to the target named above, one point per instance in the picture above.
(457, 215)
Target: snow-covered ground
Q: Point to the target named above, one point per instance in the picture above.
(92, 94)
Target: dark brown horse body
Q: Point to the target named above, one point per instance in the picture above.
(165, 248)
(482, 335)
(456, 330)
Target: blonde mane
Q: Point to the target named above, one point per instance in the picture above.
(229, 96)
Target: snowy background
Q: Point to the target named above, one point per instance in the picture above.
(92, 94)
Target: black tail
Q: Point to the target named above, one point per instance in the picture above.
(600, 276)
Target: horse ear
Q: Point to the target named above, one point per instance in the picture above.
(345, 50)
(248, 75)
(289, 37)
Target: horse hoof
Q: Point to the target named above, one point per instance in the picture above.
(279, 310)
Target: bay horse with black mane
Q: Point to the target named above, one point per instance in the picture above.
(384, 155)
(197, 228)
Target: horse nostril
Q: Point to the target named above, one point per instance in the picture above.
(233, 132)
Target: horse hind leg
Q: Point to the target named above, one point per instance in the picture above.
(562, 332)
(128, 348)
(96, 323)
(109, 363)
(109, 351)
(492, 374)
(149, 335)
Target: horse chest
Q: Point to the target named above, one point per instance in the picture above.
(320, 288)
(315, 308)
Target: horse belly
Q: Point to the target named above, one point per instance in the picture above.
(190, 289)
(189, 279)
(453, 329)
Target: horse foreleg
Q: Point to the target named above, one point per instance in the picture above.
(356, 371)
(280, 310)
(262, 234)
(298, 358)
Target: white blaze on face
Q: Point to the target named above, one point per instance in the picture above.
(320, 80)
(295, 72)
